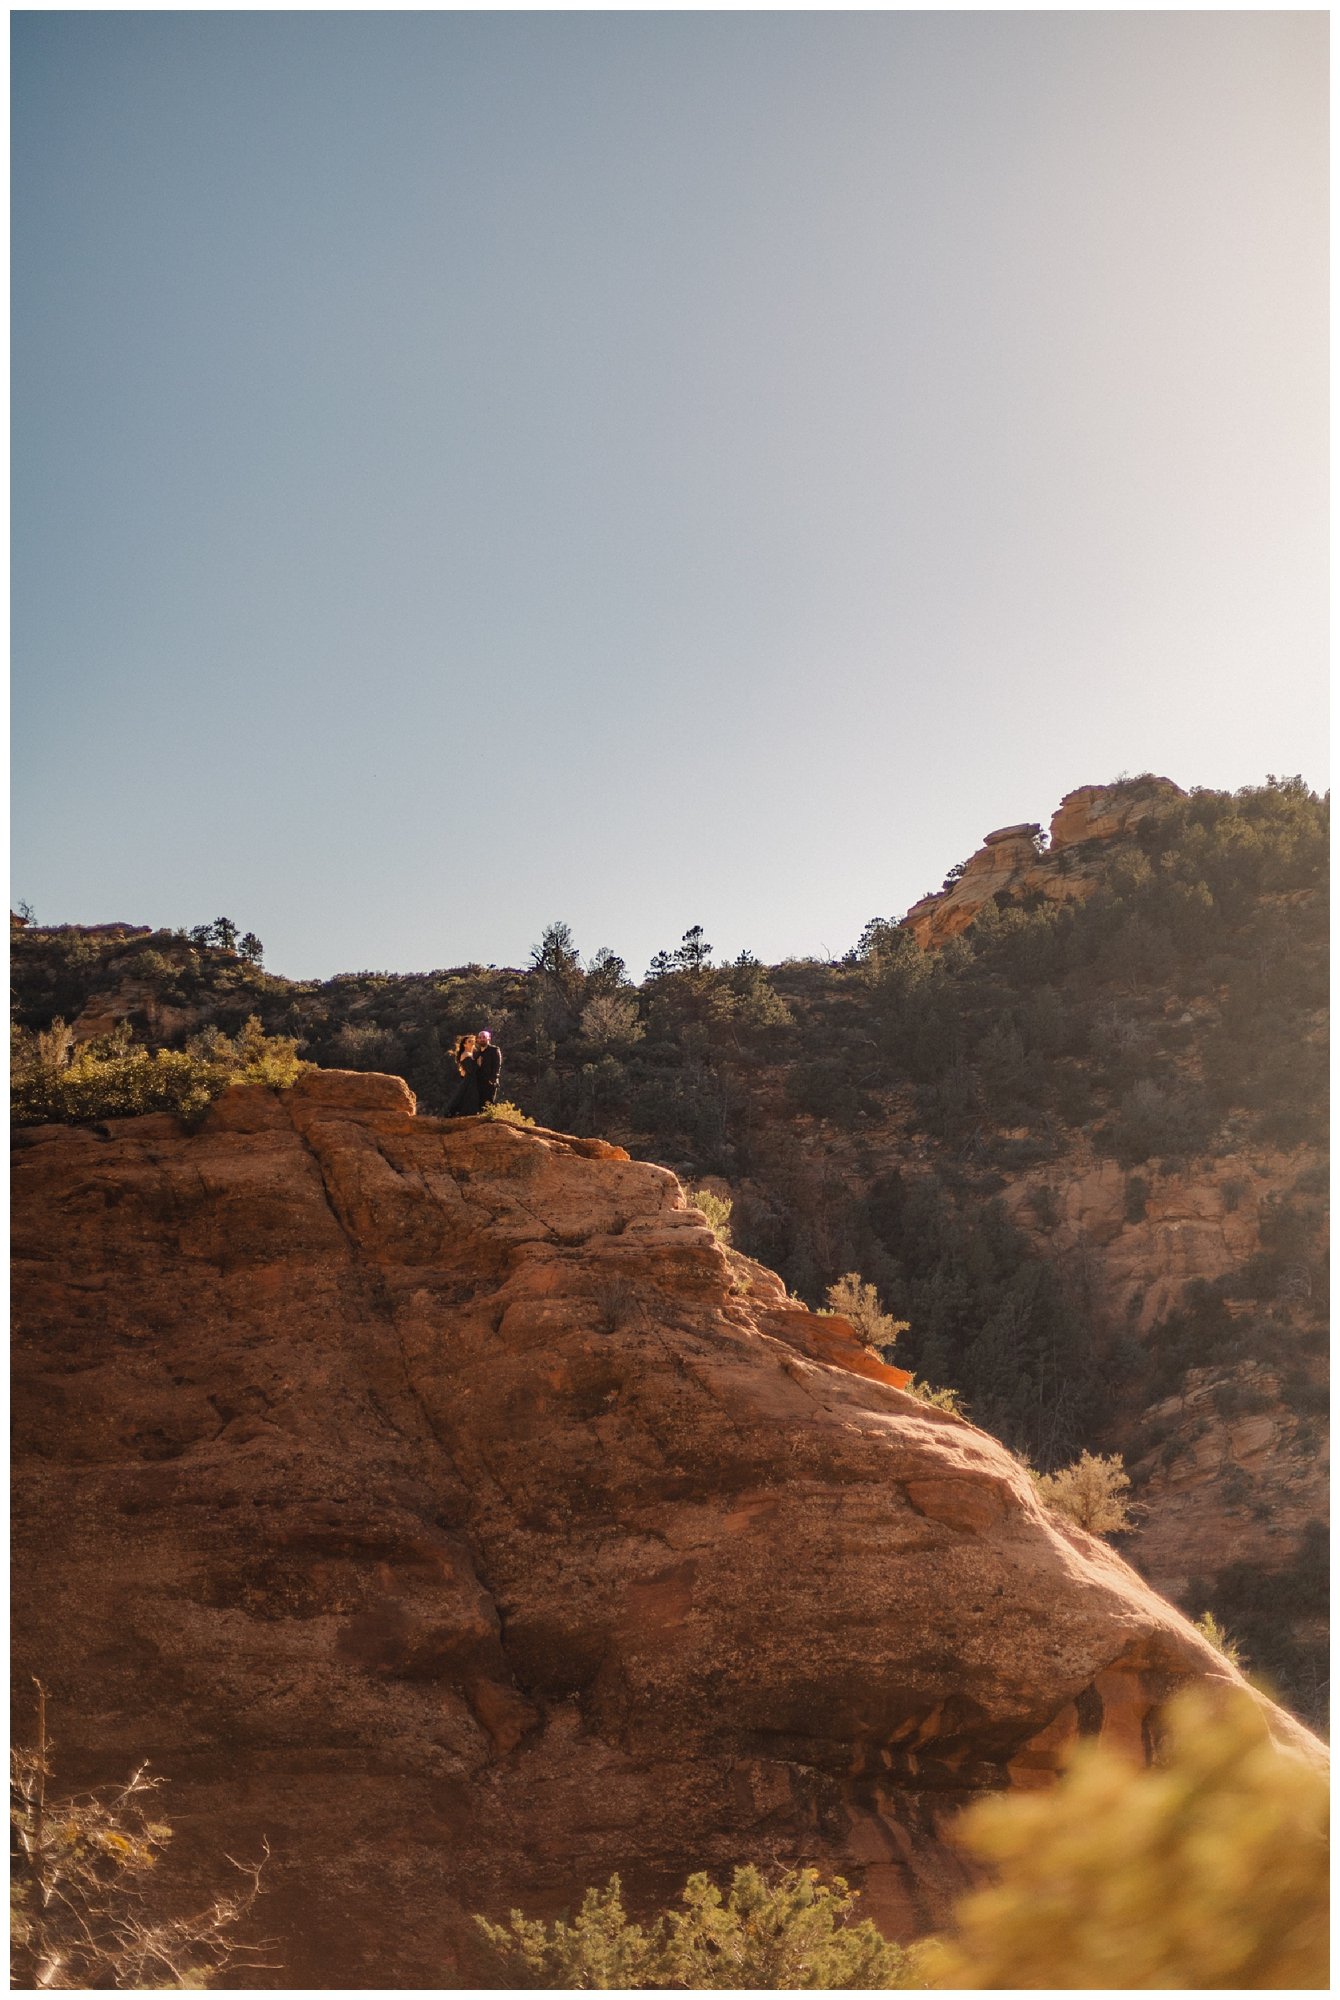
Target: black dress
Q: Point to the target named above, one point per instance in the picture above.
(465, 1100)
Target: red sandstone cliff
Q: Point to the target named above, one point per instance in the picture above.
(438, 1501)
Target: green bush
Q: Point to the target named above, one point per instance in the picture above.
(795, 1931)
(716, 1210)
(939, 1399)
(1209, 1628)
(503, 1112)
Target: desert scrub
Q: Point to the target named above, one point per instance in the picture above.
(939, 1399)
(859, 1302)
(716, 1210)
(1208, 1870)
(1091, 1493)
(794, 1930)
(504, 1112)
(1209, 1628)
(55, 1082)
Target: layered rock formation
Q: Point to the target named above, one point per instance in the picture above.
(1016, 861)
(438, 1501)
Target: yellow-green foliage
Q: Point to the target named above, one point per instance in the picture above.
(54, 1082)
(1210, 1870)
(504, 1112)
(939, 1399)
(859, 1302)
(795, 1931)
(1091, 1492)
(717, 1209)
(1209, 1628)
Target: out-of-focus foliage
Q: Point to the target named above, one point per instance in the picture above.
(1091, 1492)
(52, 1081)
(792, 1931)
(1209, 1870)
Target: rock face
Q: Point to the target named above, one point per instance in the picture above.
(1015, 861)
(438, 1501)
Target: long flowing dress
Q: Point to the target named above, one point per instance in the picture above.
(465, 1100)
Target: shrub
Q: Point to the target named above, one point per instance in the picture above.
(939, 1399)
(1091, 1492)
(1137, 1197)
(1209, 1628)
(52, 1082)
(716, 1210)
(1210, 1870)
(83, 1864)
(1154, 1120)
(503, 1112)
(795, 1931)
(859, 1302)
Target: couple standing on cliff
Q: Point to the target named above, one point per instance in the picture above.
(477, 1064)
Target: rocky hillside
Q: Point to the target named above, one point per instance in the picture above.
(439, 1502)
(1016, 864)
(1069, 1117)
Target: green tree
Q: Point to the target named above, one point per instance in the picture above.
(558, 964)
(607, 972)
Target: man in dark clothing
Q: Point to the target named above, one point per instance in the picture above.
(489, 1063)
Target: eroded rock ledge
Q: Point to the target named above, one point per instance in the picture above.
(1016, 862)
(439, 1501)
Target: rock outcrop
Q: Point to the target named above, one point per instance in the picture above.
(440, 1502)
(1016, 861)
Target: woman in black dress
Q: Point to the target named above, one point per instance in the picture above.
(465, 1100)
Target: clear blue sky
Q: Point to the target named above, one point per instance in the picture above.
(646, 469)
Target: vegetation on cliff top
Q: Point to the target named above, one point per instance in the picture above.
(53, 1082)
